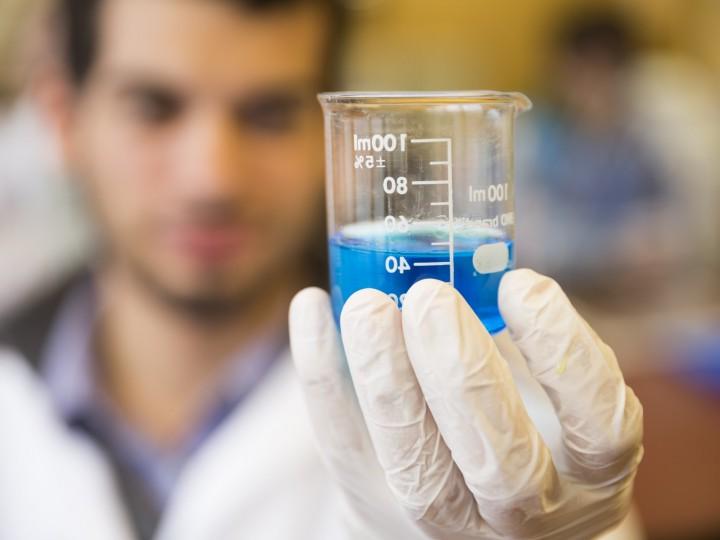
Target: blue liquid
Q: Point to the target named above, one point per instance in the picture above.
(358, 262)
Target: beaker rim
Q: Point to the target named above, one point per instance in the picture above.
(455, 97)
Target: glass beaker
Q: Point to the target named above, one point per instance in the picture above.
(421, 185)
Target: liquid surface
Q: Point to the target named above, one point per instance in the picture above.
(368, 257)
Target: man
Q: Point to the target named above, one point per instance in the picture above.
(192, 128)
(613, 218)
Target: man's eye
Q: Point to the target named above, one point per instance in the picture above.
(156, 107)
(273, 115)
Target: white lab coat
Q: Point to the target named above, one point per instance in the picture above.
(259, 476)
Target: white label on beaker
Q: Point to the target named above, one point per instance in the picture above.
(491, 258)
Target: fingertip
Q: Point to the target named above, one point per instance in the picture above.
(519, 281)
(313, 335)
(310, 311)
(309, 296)
(364, 304)
(369, 321)
(426, 288)
(314, 340)
(524, 294)
(424, 294)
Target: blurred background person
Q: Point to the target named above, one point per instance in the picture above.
(595, 206)
(618, 197)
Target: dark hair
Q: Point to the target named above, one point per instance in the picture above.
(78, 21)
(591, 31)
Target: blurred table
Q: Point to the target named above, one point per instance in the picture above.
(678, 486)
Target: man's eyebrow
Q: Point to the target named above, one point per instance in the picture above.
(129, 86)
(298, 91)
(130, 82)
(282, 95)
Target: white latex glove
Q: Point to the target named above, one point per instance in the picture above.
(450, 441)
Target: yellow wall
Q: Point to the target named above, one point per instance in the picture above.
(16, 20)
(426, 44)
(439, 44)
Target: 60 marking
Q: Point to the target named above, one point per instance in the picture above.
(399, 224)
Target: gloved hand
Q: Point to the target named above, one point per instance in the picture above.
(450, 440)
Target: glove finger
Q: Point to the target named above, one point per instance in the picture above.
(600, 416)
(318, 357)
(338, 423)
(417, 463)
(470, 391)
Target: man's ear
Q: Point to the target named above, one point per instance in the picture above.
(55, 95)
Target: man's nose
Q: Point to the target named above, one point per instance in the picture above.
(210, 163)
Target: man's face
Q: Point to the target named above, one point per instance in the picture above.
(590, 85)
(198, 141)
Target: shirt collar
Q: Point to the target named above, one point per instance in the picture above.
(69, 366)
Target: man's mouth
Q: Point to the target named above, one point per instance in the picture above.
(210, 243)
